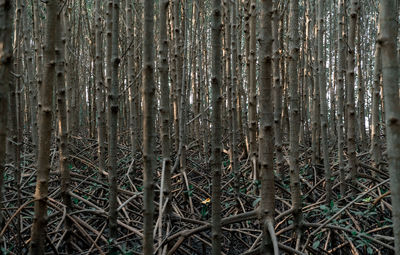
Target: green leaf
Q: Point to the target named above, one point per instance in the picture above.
(316, 244)
(4, 251)
(369, 250)
(323, 208)
(255, 202)
(75, 201)
(204, 211)
(354, 233)
(367, 200)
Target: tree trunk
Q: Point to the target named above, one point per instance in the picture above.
(390, 78)
(351, 119)
(294, 114)
(316, 126)
(266, 141)
(323, 102)
(113, 111)
(340, 93)
(277, 92)
(164, 113)
(100, 90)
(6, 60)
(375, 126)
(39, 226)
(62, 127)
(148, 125)
(253, 123)
(235, 98)
(361, 89)
(216, 120)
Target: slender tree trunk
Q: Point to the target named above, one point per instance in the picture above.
(340, 93)
(39, 66)
(253, 123)
(277, 92)
(39, 226)
(113, 111)
(246, 90)
(351, 119)
(6, 60)
(100, 89)
(361, 89)
(131, 78)
(316, 126)
(294, 114)
(178, 68)
(266, 142)
(323, 102)
(31, 114)
(15, 133)
(235, 97)
(375, 126)
(164, 111)
(216, 120)
(390, 78)
(148, 125)
(228, 76)
(62, 126)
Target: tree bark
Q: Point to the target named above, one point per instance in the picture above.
(113, 111)
(62, 126)
(148, 125)
(390, 78)
(266, 141)
(6, 60)
(375, 126)
(340, 93)
(323, 102)
(253, 123)
(39, 226)
(235, 97)
(100, 89)
(164, 110)
(277, 92)
(351, 118)
(294, 114)
(216, 120)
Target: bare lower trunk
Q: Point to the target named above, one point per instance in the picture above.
(324, 103)
(277, 93)
(351, 114)
(148, 125)
(39, 226)
(294, 114)
(100, 89)
(253, 123)
(216, 120)
(6, 60)
(340, 94)
(62, 127)
(266, 142)
(113, 136)
(375, 126)
(164, 112)
(390, 77)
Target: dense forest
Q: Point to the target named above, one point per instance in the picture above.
(199, 127)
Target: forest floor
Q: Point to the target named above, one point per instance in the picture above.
(350, 225)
